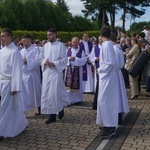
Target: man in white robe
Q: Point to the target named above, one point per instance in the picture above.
(54, 94)
(88, 80)
(94, 58)
(30, 73)
(122, 94)
(107, 107)
(73, 71)
(12, 118)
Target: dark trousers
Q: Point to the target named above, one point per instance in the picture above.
(126, 77)
(96, 96)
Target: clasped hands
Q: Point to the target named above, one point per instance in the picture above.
(72, 59)
(49, 64)
(25, 60)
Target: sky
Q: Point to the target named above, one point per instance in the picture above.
(75, 7)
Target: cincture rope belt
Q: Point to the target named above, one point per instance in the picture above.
(2, 77)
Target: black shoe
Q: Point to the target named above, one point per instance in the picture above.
(108, 132)
(61, 114)
(103, 128)
(134, 97)
(51, 119)
(39, 111)
(120, 118)
(37, 114)
(1, 138)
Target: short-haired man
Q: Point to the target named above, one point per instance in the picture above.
(88, 80)
(54, 94)
(12, 119)
(107, 107)
(31, 75)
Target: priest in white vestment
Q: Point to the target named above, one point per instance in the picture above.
(30, 73)
(94, 58)
(73, 71)
(54, 94)
(122, 94)
(88, 80)
(12, 118)
(107, 107)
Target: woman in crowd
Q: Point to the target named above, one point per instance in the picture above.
(131, 56)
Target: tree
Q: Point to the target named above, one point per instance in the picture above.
(79, 23)
(93, 9)
(40, 15)
(130, 7)
(34, 11)
(63, 6)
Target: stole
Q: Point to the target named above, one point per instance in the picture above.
(73, 75)
(85, 66)
(97, 52)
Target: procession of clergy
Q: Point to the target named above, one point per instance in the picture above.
(51, 77)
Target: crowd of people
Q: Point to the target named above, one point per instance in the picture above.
(49, 75)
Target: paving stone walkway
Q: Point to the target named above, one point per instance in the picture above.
(78, 131)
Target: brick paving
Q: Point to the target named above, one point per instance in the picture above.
(78, 131)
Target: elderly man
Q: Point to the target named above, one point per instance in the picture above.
(73, 73)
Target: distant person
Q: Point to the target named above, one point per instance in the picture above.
(16, 41)
(128, 46)
(142, 38)
(54, 94)
(12, 118)
(131, 57)
(88, 80)
(147, 33)
(94, 58)
(43, 42)
(69, 44)
(133, 34)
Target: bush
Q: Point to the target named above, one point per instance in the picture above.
(64, 36)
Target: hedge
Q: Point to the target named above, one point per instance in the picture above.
(64, 36)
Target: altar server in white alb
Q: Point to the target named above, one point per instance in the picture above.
(31, 80)
(107, 105)
(73, 73)
(12, 118)
(88, 80)
(122, 94)
(54, 94)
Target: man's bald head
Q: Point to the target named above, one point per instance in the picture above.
(75, 42)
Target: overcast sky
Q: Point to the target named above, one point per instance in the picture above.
(75, 7)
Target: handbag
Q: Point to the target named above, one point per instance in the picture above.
(148, 83)
(139, 64)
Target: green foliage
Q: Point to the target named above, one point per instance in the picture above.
(62, 35)
(39, 15)
(137, 27)
(95, 8)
